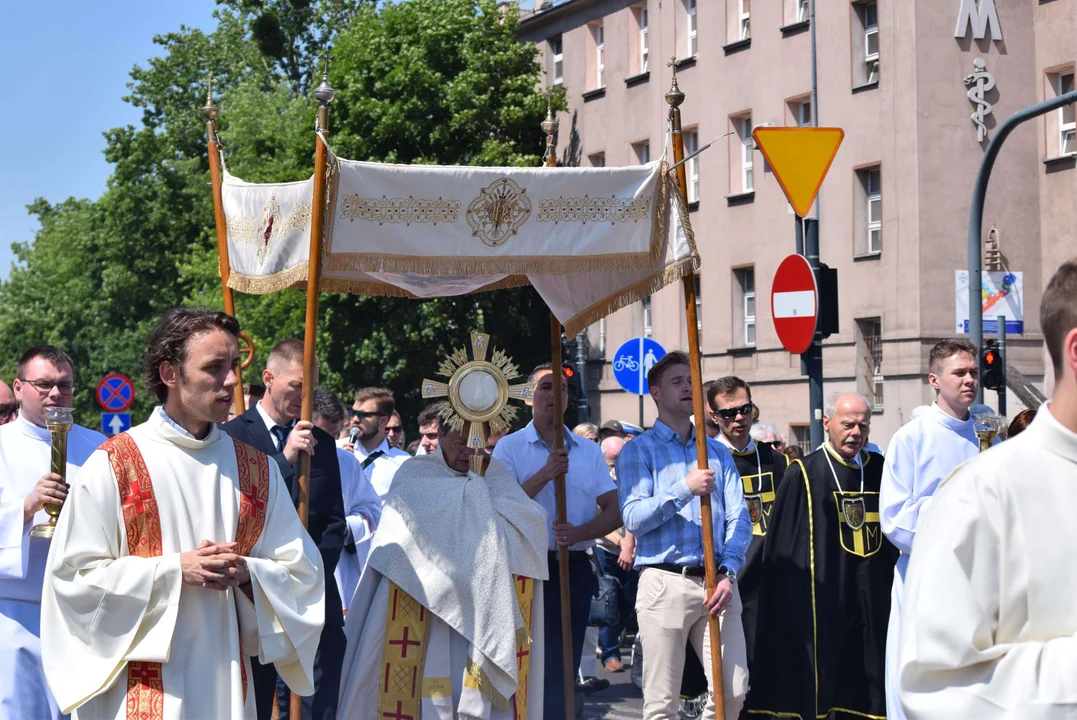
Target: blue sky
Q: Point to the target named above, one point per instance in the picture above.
(65, 65)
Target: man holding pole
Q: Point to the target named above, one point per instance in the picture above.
(660, 485)
(591, 513)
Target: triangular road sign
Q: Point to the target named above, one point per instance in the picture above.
(800, 158)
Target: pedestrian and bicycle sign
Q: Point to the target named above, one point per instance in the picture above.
(800, 159)
(115, 393)
(794, 303)
(633, 361)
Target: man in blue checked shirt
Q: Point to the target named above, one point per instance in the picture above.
(659, 487)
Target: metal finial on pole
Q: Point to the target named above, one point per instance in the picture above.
(209, 110)
(675, 96)
(549, 126)
(325, 93)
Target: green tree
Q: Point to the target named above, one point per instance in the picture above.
(420, 81)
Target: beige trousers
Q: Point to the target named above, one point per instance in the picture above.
(670, 611)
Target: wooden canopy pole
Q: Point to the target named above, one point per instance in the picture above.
(675, 97)
(550, 126)
(209, 112)
(324, 94)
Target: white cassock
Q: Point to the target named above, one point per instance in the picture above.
(362, 512)
(990, 620)
(114, 607)
(25, 452)
(922, 453)
(437, 626)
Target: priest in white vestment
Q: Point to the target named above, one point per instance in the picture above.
(179, 554)
(447, 620)
(989, 625)
(921, 454)
(45, 379)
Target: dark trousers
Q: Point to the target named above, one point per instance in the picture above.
(322, 705)
(609, 638)
(581, 583)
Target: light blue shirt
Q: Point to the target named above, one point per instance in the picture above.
(664, 515)
(588, 477)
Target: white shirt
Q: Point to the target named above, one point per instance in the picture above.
(271, 423)
(383, 469)
(990, 624)
(362, 512)
(588, 477)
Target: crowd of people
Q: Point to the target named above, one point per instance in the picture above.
(927, 583)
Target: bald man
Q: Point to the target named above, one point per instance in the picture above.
(826, 576)
(9, 406)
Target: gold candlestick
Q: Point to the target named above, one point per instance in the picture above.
(58, 420)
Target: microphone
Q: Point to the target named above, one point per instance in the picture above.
(353, 435)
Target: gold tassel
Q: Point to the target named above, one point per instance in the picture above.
(295, 276)
(486, 688)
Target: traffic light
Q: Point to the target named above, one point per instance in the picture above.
(994, 372)
(573, 386)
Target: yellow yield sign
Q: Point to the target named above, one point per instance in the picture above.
(800, 159)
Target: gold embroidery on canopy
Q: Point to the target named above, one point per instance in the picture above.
(399, 210)
(267, 229)
(598, 209)
(499, 211)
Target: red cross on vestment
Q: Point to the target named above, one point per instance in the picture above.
(403, 642)
(520, 655)
(523, 583)
(399, 714)
(138, 495)
(144, 672)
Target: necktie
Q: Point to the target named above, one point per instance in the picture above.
(280, 435)
(371, 458)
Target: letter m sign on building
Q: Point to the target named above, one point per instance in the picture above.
(980, 18)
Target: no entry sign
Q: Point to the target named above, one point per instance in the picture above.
(794, 303)
(115, 393)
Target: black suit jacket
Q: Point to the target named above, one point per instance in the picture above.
(325, 518)
(326, 525)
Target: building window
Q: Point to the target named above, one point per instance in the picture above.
(647, 316)
(744, 17)
(642, 151)
(690, 13)
(602, 337)
(742, 153)
(870, 360)
(1067, 126)
(644, 47)
(799, 111)
(699, 303)
(869, 211)
(557, 53)
(597, 159)
(866, 46)
(744, 307)
(803, 11)
(802, 437)
(600, 56)
(691, 144)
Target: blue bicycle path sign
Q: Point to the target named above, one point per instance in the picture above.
(633, 361)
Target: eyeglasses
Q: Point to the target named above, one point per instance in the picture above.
(731, 413)
(394, 428)
(364, 414)
(45, 386)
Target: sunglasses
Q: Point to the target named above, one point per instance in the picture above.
(394, 428)
(731, 413)
(364, 414)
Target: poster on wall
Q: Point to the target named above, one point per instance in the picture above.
(1002, 293)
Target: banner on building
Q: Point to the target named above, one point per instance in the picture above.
(1002, 293)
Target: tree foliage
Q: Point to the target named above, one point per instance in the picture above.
(419, 81)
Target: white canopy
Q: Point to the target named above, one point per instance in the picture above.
(590, 240)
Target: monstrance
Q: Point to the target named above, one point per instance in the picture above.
(478, 393)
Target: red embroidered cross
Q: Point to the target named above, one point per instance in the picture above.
(404, 642)
(138, 496)
(520, 655)
(523, 583)
(399, 714)
(144, 672)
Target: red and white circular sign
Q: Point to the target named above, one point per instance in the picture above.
(794, 302)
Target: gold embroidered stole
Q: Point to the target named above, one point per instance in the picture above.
(525, 595)
(142, 521)
(402, 655)
(145, 687)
